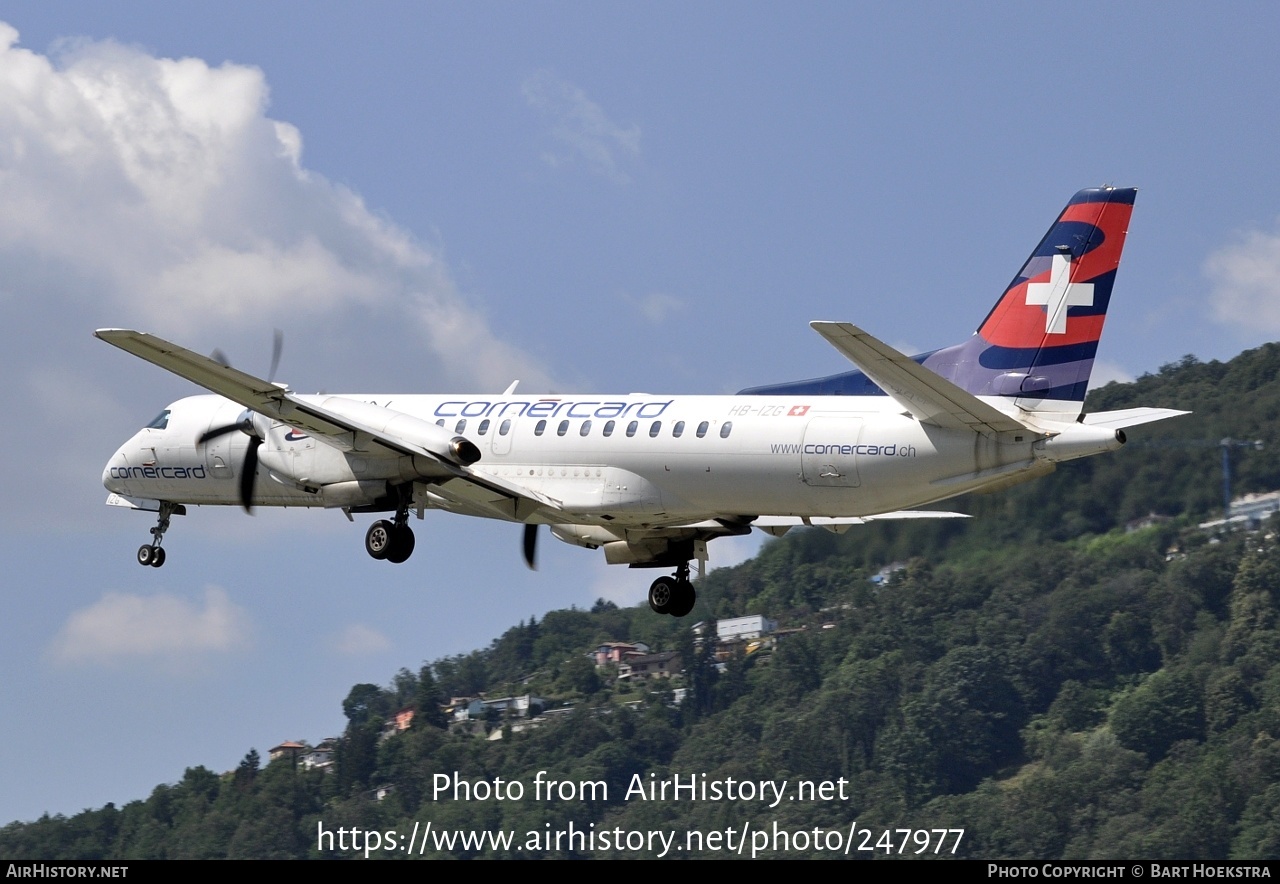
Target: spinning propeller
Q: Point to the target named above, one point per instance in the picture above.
(531, 546)
(248, 469)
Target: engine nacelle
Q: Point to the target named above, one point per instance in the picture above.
(436, 439)
(590, 536)
(361, 492)
(1078, 440)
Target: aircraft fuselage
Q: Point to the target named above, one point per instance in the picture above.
(622, 460)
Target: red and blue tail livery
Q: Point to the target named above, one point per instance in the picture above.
(1038, 343)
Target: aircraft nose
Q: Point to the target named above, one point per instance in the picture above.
(115, 472)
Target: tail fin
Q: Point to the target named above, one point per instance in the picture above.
(1037, 344)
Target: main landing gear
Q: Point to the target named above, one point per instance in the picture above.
(152, 554)
(673, 595)
(391, 540)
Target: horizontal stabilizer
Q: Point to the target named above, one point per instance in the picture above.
(929, 398)
(1130, 417)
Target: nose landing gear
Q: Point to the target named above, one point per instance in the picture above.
(152, 554)
(673, 595)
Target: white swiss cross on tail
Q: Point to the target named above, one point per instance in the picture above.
(1058, 294)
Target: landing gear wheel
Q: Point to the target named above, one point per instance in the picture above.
(661, 593)
(157, 556)
(379, 542)
(402, 543)
(146, 554)
(683, 600)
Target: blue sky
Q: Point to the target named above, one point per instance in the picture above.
(592, 197)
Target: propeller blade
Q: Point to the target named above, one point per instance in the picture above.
(248, 470)
(277, 347)
(216, 432)
(219, 357)
(531, 546)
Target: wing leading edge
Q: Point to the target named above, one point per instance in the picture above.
(457, 483)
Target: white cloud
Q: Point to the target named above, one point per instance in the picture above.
(1245, 276)
(581, 127)
(160, 189)
(358, 640)
(1104, 372)
(124, 627)
(655, 306)
(157, 193)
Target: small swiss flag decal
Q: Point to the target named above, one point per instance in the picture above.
(798, 410)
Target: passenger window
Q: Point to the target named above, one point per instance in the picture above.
(678, 430)
(161, 421)
(608, 428)
(631, 428)
(504, 427)
(702, 429)
(484, 427)
(726, 429)
(586, 428)
(542, 425)
(563, 428)
(655, 428)
(461, 427)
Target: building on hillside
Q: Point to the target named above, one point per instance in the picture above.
(661, 665)
(478, 708)
(1247, 512)
(616, 652)
(743, 628)
(399, 722)
(321, 755)
(289, 749)
(885, 574)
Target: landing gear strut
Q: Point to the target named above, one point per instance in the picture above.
(152, 554)
(391, 540)
(673, 595)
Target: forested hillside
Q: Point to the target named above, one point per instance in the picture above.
(1038, 676)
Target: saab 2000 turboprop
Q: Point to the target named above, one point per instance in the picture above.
(651, 479)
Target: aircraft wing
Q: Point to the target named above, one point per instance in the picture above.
(929, 398)
(779, 525)
(331, 427)
(826, 521)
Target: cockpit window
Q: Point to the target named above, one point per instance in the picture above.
(161, 421)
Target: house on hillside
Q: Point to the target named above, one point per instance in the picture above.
(616, 652)
(399, 722)
(478, 708)
(661, 665)
(289, 749)
(743, 628)
(321, 755)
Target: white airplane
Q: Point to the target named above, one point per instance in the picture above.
(651, 479)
